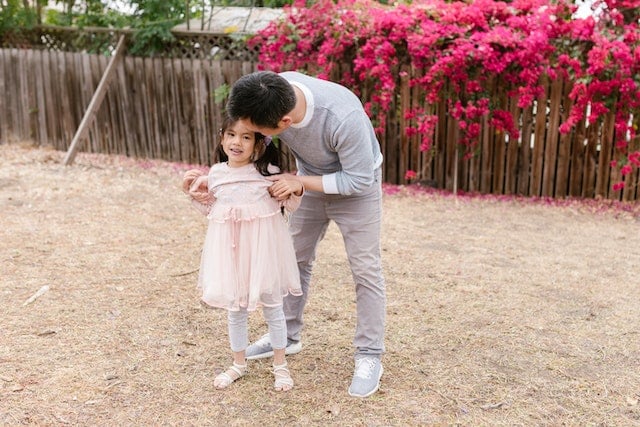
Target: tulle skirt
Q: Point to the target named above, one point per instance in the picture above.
(248, 263)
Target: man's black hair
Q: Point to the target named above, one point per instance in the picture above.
(263, 98)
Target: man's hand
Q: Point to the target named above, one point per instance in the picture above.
(284, 185)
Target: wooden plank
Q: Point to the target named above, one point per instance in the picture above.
(31, 80)
(78, 107)
(475, 163)
(412, 159)
(51, 110)
(247, 67)
(4, 100)
(23, 96)
(105, 127)
(398, 137)
(177, 100)
(551, 143)
(603, 182)
(16, 112)
(524, 152)
(565, 142)
(169, 109)
(452, 150)
(111, 125)
(88, 85)
(615, 177)
(212, 113)
(464, 166)
(200, 99)
(40, 71)
(632, 184)
(462, 162)
(537, 160)
(499, 144)
(217, 80)
(164, 69)
(216, 110)
(578, 158)
(154, 68)
(486, 157)
(9, 118)
(141, 101)
(474, 169)
(631, 181)
(95, 102)
(210, 107)
(513, 148)
(188, 111)
(420, 160)
(63, 89)
(155, 105)
(591, 161)
(55, 112)
(439, 144)
(130, 142)
(430, 156)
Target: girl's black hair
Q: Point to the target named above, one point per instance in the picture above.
(267, 154)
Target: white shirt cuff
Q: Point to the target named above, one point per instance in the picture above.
(330, 184)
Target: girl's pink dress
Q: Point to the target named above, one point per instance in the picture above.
(248, 258)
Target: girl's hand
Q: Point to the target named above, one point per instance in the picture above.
(199, 190)
(284, 185)
(189, 177)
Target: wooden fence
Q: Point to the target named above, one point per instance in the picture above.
(165, 108)
(542, 162)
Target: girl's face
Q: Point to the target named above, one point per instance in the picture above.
(238, 144)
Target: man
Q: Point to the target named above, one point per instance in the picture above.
(338, 160)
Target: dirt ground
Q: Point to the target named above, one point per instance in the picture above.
(501, 311)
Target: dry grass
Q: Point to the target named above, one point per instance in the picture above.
(500, 312)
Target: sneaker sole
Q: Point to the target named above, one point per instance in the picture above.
(289, 350)
(377, 387)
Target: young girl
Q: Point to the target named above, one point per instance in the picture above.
(248, 260)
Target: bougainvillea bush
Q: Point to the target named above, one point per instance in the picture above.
(458, 47)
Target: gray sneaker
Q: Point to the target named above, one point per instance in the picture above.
(366, 377)
(261, 349)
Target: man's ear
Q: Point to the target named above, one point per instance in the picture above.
(285, 122)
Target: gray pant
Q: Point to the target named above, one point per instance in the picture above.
(359, 219)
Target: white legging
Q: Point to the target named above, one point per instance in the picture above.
(238, 328)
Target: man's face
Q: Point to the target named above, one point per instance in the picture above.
(282, 125)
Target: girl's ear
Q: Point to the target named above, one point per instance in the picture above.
(258, 149)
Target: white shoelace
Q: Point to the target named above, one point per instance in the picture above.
(364, 367)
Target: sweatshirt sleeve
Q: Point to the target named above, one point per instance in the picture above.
(293, 202)
(352, 143)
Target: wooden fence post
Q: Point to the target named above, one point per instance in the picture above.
(96, 100)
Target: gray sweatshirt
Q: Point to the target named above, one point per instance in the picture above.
(336, 139)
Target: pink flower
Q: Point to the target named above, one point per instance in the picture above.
(409, 175)
(451, 53)
(626, 170)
